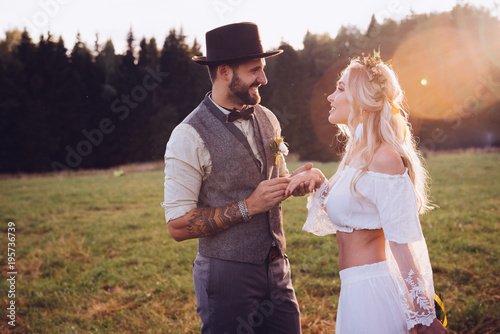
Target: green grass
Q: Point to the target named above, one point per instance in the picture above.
(93, 253)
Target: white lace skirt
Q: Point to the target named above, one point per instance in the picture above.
(369, 301)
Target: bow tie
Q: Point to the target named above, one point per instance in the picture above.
(245, 113)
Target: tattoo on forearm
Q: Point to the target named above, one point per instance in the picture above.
(208, 221)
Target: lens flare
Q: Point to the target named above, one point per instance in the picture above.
(444, 70)
(448, 64)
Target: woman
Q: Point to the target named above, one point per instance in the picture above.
(372, 204)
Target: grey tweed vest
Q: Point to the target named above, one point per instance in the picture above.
(235, 174)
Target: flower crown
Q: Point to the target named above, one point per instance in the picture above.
(371, 63)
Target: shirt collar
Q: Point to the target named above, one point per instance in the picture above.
(224, 110)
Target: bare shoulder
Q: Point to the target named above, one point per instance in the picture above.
(387, 161)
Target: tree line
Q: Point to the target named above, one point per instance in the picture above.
(64, 109)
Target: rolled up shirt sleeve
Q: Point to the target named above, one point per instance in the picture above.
(187, 164)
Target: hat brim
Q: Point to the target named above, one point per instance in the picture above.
(203, 60)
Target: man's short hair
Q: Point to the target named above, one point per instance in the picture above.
(212, 69)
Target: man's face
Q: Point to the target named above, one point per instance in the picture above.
(247, 79)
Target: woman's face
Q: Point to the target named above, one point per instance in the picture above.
(340, 106)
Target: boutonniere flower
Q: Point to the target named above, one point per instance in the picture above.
(279, 147)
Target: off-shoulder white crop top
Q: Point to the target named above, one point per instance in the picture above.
(382, 201)
(388, 202)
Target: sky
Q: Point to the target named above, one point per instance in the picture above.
(278, 20)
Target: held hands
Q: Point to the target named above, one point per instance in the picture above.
(267, 194)
(301, 190)
(270, 192)
(305, 181)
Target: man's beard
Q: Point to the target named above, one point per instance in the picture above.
(240, 90)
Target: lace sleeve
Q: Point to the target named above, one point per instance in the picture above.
(406, 250)
(411, 270)
(317, 221)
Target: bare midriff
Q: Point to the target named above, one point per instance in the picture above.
(360, 247)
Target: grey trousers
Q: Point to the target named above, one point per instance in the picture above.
(243, 298)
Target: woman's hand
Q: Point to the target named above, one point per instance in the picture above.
(313, 178)
(435, 327)
(302, 189)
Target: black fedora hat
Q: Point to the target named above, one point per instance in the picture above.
(233, 42)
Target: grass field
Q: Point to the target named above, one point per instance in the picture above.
(93, 254)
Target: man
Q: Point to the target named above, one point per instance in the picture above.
(223, 186)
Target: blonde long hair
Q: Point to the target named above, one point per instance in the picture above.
(376, 98)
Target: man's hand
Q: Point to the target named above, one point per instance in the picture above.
(267, 194)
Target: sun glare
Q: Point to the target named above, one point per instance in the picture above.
(454, 75)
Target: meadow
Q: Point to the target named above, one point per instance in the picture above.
(93, 253)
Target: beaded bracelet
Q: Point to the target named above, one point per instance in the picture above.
(242, 205)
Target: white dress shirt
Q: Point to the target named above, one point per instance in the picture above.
(188, 163)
